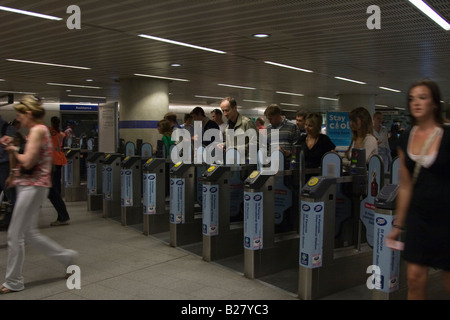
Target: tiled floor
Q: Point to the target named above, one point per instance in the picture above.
(120, 263)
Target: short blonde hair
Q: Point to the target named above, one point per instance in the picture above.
(31, 103)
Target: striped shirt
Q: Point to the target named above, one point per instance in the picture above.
(288, 134)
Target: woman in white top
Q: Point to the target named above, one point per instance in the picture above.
(381, 134)
(362, 133)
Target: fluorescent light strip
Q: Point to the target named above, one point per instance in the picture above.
(19, 92)
(290, 104)
(78, 96)
(289, 110)
(208, 97)
(71, 85)
(381, 105)
(158, 77)
(181, 43)
(286, 66)
(290, 93)
(256, 101)
(233, 86)
(389, 89)
(325, 98)
(433, 15)
(48, 64)
(2, 80)
(350, 80)
(29, 13)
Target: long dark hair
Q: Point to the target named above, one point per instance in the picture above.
(436, 96)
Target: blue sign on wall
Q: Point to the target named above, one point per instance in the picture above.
(78, 107)
(338, 128)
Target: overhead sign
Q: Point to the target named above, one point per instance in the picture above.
(78, 107)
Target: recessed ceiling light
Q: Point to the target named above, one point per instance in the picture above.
(89, 80)
(158, 77)
(178, 43)
(234, 86)
(29, 13)
(287, 66)
(2, 80)
(71, 85)
(48, 64)
(261, 35)
(176, 65)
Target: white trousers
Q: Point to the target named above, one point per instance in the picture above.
(24, 227)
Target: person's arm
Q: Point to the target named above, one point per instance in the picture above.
(371, 146)
(403, 198)
(30, 156)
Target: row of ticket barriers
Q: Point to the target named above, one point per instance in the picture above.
(327, 223)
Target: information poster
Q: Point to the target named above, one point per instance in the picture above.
(210, 210)
(253, 220)
(338, 128)
(91, 178)
(126, 183)
(107, 182)
(177, 203)
(68, 173)
(386, 259)
(311, 234)
(149, 193)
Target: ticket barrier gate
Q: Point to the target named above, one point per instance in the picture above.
(328, 264)
(74, 189)
(222, 224)
(185, 215)
(94, 181)
(389, 271)
(154, 191)
(267, 251)
(111, 185)
(131, 190)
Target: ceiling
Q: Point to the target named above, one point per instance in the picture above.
(330, 38)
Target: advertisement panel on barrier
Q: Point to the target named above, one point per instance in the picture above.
(126, 184)
(253, 220)
(177, 203)
(210, 210)
(68, 173)
(149, 193)
(386, 259)
(91, 178)
(107, 182)
(311, 234)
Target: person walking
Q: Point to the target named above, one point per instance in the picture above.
(424, 187)
(31, 175)
(59, 160)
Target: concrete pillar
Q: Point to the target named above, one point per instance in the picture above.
(348, 102)
(142, 103)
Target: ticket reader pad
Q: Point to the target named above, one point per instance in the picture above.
(74, 189)
(94, 165)
(131, 190)
(185, 217)
(111, 185)
(325, 269)
(155, 210)
(222, 238)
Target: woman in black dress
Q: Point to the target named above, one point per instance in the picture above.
(423, 200)
(315, 144)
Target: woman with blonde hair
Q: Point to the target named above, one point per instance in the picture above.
(31, 176)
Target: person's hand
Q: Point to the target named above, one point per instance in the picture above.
(6, 140)
(220, 146)
(392, 239)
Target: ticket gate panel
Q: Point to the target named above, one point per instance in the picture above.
(111, 185)
(131, 191)
(74, 190)
(94, 181)
(155, 209)
(185, 217)
(221, 237)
